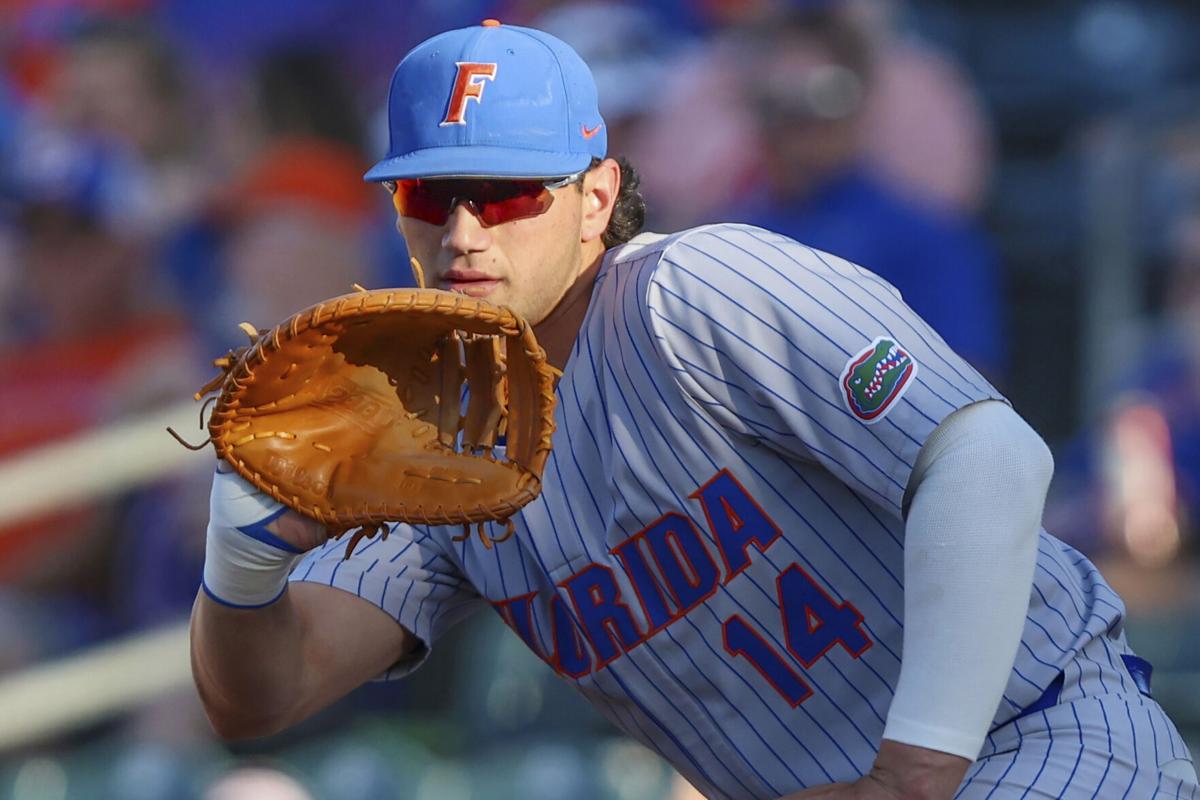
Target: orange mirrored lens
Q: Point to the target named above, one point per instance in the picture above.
(493, 201)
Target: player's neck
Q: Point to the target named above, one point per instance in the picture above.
(557, 332)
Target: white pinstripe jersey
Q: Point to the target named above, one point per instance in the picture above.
(715, 560)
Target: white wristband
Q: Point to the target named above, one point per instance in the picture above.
(245, 565)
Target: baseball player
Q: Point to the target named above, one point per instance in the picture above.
(787, 538)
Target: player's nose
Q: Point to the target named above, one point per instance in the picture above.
(464, 231)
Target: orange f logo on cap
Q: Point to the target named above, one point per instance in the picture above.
(468, 85)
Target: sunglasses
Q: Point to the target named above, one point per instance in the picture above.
(492, 200)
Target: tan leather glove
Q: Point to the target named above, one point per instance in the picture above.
(352, 411)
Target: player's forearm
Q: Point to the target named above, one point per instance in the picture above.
(970, 552)
(248, 665)
(246, 632)
(262, 670)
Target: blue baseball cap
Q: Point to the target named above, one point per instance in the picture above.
(494, 101)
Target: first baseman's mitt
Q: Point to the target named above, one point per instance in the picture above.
(353, 412)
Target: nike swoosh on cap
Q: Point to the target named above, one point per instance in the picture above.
(590, 132)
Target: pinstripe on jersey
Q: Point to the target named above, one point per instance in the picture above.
(715, 560)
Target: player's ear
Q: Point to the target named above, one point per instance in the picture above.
(600, 188)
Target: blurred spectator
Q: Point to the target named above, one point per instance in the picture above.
(690, 16)
(779, 120)
(367, 37)
(65, 188)
(120, 83)
(727, 13)
(1147, 449)
(924, 126)
(698, 148)
(303, 94)
(300, 92)
(296, 223)
(9, 125)
(9, 120)
(808, 80)
(157, 561)
(91, 339)
(628, 50)
(9, 269)
(1128, 488)
(296, 229)
(697, 106)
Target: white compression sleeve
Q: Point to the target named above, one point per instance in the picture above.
(977, 493)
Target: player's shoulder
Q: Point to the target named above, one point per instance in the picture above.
(690, 243)
(728, 253)
(732, 262)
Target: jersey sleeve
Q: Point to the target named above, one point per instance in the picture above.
(407, 575)
(806, 353)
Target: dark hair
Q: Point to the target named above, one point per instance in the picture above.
(629, 212)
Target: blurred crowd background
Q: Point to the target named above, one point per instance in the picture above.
(1026, 173)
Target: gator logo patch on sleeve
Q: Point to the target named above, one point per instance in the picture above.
(875, 378)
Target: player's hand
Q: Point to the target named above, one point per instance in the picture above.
(900, 772)
(865, 788)
(298, 530)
